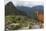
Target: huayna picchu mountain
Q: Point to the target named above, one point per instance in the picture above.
(10, 9)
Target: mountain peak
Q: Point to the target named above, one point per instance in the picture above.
(10, 4)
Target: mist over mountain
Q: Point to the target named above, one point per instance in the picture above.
(10, 9)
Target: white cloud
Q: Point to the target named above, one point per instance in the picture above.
(6, 1)
(26, 2)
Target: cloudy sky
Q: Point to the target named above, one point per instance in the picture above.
(28, 3)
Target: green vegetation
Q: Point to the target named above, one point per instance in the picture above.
(18, 22)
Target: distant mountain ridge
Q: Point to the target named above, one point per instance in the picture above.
(38, 8)
(22, 10)
(30, 11)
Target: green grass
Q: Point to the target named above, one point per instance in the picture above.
(23, 21)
